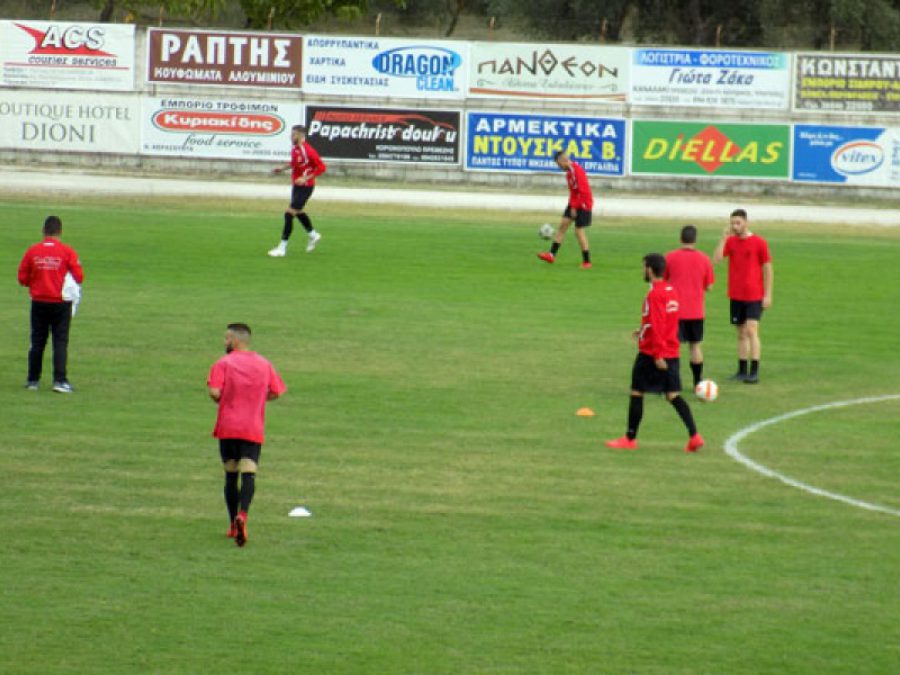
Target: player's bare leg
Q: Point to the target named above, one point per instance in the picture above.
(581, 236)
(696, 362)
(754, 348)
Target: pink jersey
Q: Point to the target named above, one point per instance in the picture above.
(746, 258)
(691, 273)
(245, 379)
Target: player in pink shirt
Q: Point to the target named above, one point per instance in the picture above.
(690, 272)
(241, 382)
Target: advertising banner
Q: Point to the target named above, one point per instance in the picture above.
(65, 55)
(557, 71)
(694, 77)
(711, 149)
(218, 129)
(385, 134)
(847, 155)
(527, 143)
(69, 122)
(353, 66)
(220, 58)
(847, 82)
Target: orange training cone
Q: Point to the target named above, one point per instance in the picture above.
(584, 412)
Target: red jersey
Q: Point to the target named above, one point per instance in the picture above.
(746, 258)
(44, 266)
(691, 273)
(245, 379)
(659, 322)
(580, 196)
(305, 160)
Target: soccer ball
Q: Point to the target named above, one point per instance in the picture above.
(707, 390)
(546, 231)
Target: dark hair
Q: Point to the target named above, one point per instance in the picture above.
(688, 234)
(739, 213)
(52, 226)
(242, 330)
(300, 128)
(656, 262)
(558, 154)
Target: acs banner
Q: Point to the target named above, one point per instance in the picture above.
(60, 55)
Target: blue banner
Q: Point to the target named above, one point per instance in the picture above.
(848, 155)
(527, 143)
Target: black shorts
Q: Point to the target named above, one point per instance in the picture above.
(236, 449)
(581, 218)
(648, 379)
(300, 194)
(742, 311)
(690, 330)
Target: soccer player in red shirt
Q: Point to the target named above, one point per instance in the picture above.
(751, 279)
(578, 210)
(241, 382)
(690, 272)
(656, 368)
(43, 270)
(305, 165)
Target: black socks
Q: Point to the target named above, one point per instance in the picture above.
(288, 226)
(554, 247)
(305, 221)
(697, 370)
(232, 494)
(635, 413)
(684, 412)
(248, 487)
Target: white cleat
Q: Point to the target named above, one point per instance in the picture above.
(313, 240)
(277, 252)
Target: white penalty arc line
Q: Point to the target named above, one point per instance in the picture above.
(731, 448)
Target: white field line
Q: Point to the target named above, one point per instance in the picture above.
(731, 448)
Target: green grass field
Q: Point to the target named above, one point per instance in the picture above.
(464, 519)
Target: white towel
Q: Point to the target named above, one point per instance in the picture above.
(71, 292)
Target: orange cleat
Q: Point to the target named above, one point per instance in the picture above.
(586, 265)
(623, 443)
(232, 532)
(240, 526)
(694, 444)
(546, 257)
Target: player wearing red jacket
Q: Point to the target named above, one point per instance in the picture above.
(656, 366)
(690, 272)
(43, 270)
(751, 279)
(578, 210)
(305, 165)
(241, 382)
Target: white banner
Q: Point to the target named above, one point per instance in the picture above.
(386, 68)
(218, 129)
(69, 122)
(61, 55)
(708, 78)
(556, 71)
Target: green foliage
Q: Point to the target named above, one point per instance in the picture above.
(464, 520)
